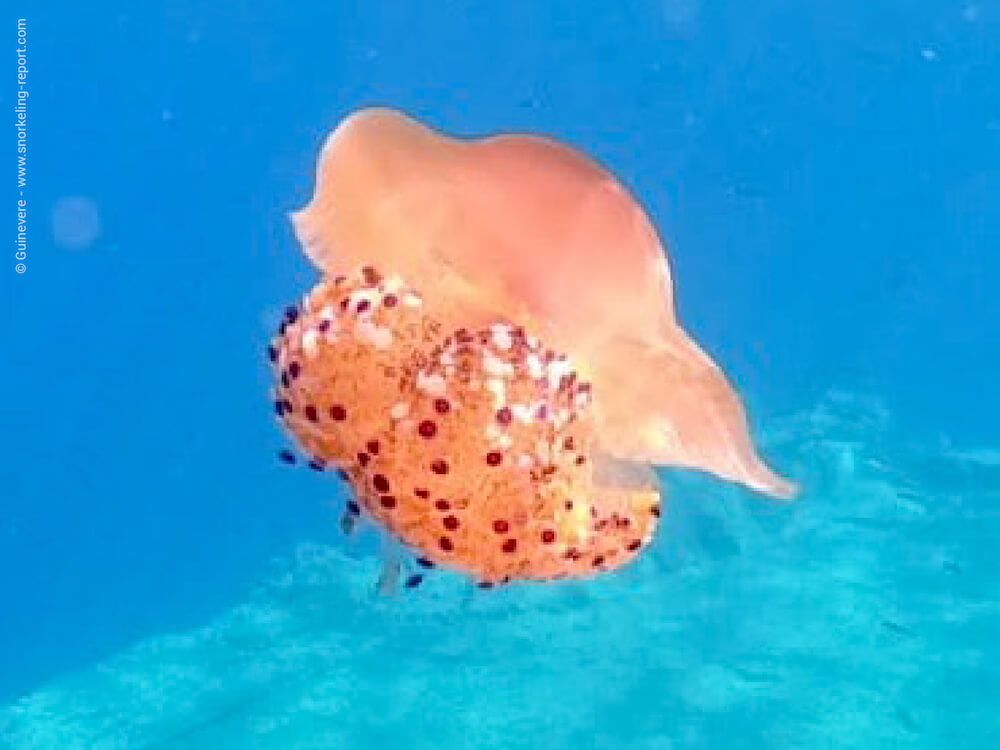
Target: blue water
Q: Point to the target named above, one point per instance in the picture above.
(827, 176)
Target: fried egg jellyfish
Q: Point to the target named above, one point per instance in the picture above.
(492, 356)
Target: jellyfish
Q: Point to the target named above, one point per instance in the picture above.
(491, 356)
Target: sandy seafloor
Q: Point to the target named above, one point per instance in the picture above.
(865, 615)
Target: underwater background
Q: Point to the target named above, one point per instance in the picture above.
(827, 179)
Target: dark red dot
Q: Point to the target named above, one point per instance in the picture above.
(370, 275)
(500, 526)
(463, 336)
(439, 466)
(504, 415)
(445, 544)
(294, 369)
(580, 460)
(509, 545)
(548, 536)
(542, 412)
(493, 458)
(389, 300)
(655, 510)
(285, 382)
(372, 446)
(441, 405)
(380, 483)
(338, 413)
(363, 459)
(427, 429)
(572, 554)
(324, 325)
(599, 561)
(311, 414)
(568, 443)
(633, 545)
(363, 305)
(442, 504)
(388, 501)
(343, 303)
(569, 505)
(450, 523)
(421, 493)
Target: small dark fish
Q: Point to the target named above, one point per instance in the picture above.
(414, 580)
(286, 456)
(895, 627)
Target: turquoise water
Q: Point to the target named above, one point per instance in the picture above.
(828, 181)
